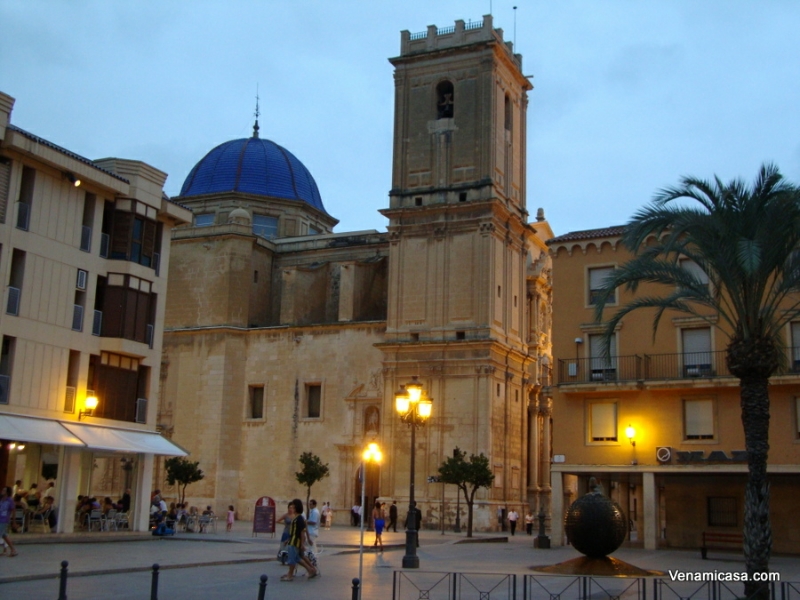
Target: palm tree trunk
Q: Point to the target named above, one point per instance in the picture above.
(757, 529)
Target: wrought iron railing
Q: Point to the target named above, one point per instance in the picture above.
(687, 365)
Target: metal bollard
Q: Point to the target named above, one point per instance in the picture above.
(356, 588)
(262, 587)
(62, 585)
(154, 583)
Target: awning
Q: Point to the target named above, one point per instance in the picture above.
(124, 440)
(39, 431)
(67, 433)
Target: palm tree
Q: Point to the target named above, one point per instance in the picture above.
(746, 240)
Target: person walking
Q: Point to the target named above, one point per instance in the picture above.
(392, 517)
(7, 508)
(513, 517)
(296, 544)
(529, 523)
(379, 521)
(312, 524)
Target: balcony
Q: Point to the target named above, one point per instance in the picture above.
(649, 367)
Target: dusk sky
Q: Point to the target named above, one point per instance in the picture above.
(628, 95)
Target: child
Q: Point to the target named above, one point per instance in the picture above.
(231, 514)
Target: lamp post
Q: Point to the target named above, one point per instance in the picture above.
(371, 454)
(414, 410)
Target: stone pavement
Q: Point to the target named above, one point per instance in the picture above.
(228, 565)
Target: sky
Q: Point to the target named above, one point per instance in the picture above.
(628, 95)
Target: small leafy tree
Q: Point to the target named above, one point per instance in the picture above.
(183, 472)
(469, 476)
(313, 471)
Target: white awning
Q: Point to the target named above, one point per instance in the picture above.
(67, 433)
(34, 430)
(124, 440)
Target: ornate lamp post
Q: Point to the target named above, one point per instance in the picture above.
(414, 410)
(371, 454)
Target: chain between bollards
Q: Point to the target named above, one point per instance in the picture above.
(154, 583)
(356, 588)
(62, 585)
(262, 587)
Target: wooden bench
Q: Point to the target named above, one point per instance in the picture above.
(720, 540)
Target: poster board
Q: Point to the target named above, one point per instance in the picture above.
(264, 516)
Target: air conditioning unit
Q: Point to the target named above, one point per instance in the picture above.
(663, 454)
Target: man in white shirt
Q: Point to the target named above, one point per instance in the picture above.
(513, 517)
(312, 524)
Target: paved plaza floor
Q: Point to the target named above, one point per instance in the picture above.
(220, 565)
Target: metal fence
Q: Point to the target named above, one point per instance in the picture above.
(427, 585)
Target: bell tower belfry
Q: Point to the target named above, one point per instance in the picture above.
(460, 255)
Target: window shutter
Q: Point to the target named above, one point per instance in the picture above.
(5, 178)
(121, 234)
(597, 277)
(695, 270)
(696, 340)
(699, 419)
(596, 350)
(796, 343)
(149, 239)
(604, 421)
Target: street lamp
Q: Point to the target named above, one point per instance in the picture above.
(414, 409)
(372, 454)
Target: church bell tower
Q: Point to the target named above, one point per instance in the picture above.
(459, 246)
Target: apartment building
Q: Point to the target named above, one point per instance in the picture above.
(657, 420)
(84, 249)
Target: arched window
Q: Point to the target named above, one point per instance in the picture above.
(444, 100)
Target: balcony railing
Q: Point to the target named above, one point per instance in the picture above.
(689, 365)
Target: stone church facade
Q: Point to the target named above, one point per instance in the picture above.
(282, 336)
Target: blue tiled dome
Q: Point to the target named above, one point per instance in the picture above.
(253, 166)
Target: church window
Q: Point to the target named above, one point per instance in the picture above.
(256, 404)
(313, 407)
(264, 226)
(444, 100)
(204, 220)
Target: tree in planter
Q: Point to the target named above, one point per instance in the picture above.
(469, 476)
(183, 472)
(744, 241)
(313, 471)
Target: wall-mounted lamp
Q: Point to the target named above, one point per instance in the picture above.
(16, 446)
(72, 179)
(578, 340)
(630, 433)
(90, 404)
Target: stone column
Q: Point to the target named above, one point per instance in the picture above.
(650, 502)
(141, 493)
(545, 494)
(69, 476)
